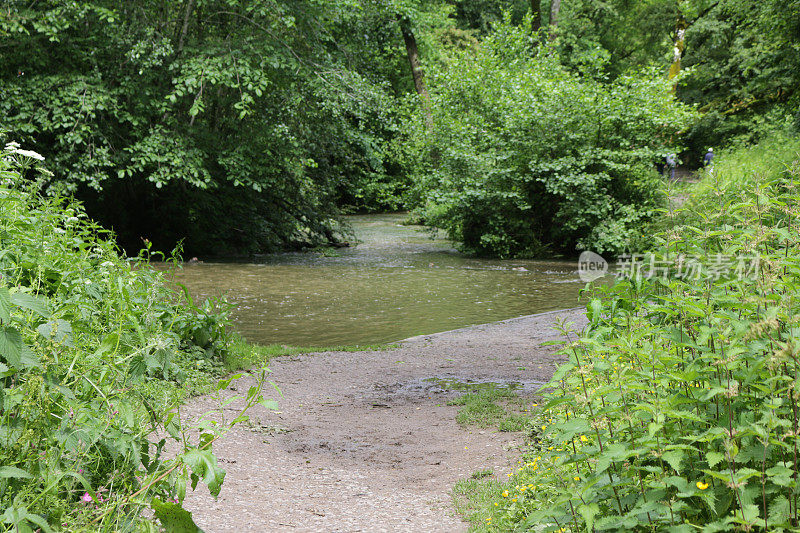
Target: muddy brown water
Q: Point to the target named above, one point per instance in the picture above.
(397, 282)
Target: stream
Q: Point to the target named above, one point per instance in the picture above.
(396, 283)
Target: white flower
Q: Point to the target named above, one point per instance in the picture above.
(31, 154)
(12, 146)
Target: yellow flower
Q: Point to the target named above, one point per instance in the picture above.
(513, 499)
(701, 485)
(577, 478)
(584, 439)
(496, 504)
(505, 494)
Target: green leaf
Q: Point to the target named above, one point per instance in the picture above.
(204, 464)
(674, 458)
(32, 303)
(109, 345)
(58, 331)
(14, 351)
(780, 475)
(272, 405)
(173, 426)
(779, 510)
(14, 472)
(5, 305)
(137, 366)
(714, 458)
(174, 518)
(588, 512)
(19, 517)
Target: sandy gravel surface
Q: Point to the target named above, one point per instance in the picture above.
(365, 441)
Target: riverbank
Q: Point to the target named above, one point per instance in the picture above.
(365, 441)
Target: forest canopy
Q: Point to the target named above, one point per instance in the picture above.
(243, 126)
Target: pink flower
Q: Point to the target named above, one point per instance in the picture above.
(86, 498)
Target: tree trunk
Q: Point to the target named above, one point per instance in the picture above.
(185, 27)
(416, 68)
(555, 7)
(678, 48)
(536, 15)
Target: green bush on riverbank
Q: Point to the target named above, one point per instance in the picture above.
(677, 409)
(95, 353)
(528, 159)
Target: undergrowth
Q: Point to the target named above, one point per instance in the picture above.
(96, 353)
(677, 409)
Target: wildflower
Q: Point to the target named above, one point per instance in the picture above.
(584, 439)
(505, 494)
(577, 478)
(31, 154)
(701, 485)
(86, 498)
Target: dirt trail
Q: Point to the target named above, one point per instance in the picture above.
(365, 441)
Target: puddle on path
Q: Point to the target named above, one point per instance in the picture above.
(448, 384)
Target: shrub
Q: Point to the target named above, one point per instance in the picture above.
(95, 353)
(526, 157)
(677, 409)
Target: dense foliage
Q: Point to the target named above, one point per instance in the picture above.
(678, 407)
(237, 125)
(95, 353)
(528, 158)
(742, 57)
(241, 126)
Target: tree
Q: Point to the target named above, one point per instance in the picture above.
(533, 159)
(416, 68)
(536, 15)
(164, 117)
(555, 8)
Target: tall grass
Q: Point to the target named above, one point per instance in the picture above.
(678, 408)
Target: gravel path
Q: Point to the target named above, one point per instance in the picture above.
(365, 441)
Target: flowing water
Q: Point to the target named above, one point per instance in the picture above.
(396, 283)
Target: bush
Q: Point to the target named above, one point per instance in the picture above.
(677, 409)
(527, 158)
(95, 353)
